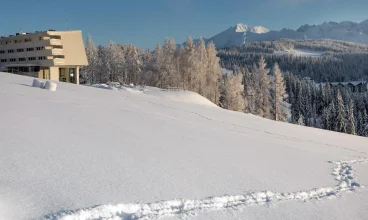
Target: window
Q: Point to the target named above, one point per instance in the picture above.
(20, 50)
(23, 69)
(10, 51)
(2, 51)
(22, 59)
(13, 60)
(4, 60)
(41, 58)
(9, 42)
(18, 41)
(27, 40)
(31, 58)
(40, 48)
(30, 49)
(34, 68)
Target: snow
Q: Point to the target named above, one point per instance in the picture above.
(38, 83)
(299, 52)
(173, 94)
(83, 152)
(260, 30)
(50, 86)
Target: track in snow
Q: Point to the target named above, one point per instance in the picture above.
(343, 173)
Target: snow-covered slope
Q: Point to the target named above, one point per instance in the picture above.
(91, 153)
(346, 30)
(299, 52)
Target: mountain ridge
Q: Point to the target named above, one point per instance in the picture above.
(345, 30)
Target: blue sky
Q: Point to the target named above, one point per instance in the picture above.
(147, 22)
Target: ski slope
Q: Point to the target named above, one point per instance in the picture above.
(299, 53)
(91, 153)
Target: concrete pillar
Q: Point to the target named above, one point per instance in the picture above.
(54, 73)
(76, 75)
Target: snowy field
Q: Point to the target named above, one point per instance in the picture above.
(300, 53)
(90, 153)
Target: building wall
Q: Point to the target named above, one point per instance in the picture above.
(55, 49)
(73, 47)
(51, 50)
(54, 73)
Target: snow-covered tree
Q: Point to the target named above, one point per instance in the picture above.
(89, 73)
(340, 125)
(233, 94)
(300, 120)
(351, 120)
(188, 64)
(280, 94)
(116, 58)
(213, 74)
(262, 89)
(201, 68)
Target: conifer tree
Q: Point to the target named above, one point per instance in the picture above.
(280, 94)
(351, 120)
(213, 73)
(340, 114)
(89, 73)
(233, 94)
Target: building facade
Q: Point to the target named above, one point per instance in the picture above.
(49, 55)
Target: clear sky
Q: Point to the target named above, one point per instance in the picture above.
(147, 22)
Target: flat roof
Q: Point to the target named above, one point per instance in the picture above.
(24, 34)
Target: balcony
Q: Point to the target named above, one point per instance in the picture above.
(59, 61)
(56, 42)
(57, 51)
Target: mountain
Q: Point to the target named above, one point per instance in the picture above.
(235, 35)
(345, 30)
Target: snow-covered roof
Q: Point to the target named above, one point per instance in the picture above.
(354, 83)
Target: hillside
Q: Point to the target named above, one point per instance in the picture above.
(321, 60)
(91, 153)
(345, 31)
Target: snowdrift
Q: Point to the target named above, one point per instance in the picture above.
(177, 95)
(90, 153)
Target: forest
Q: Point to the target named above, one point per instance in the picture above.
(277, 87)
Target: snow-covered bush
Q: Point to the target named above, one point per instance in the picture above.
(38, 83)
(50, 86)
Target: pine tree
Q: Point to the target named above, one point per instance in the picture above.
(201, 68)
(300, 120)
(326, 119)
(116, 58)
(351, 120)
(89, 73)
(169, 67)
(262, 88)
(280, 94)
(213, 73)
(104, 67)
(157, 66)
(340, 114)
(189, 64)
(233, 94)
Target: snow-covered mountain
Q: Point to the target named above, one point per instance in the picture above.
(132, 153)
(236, 35)
(346, 31)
